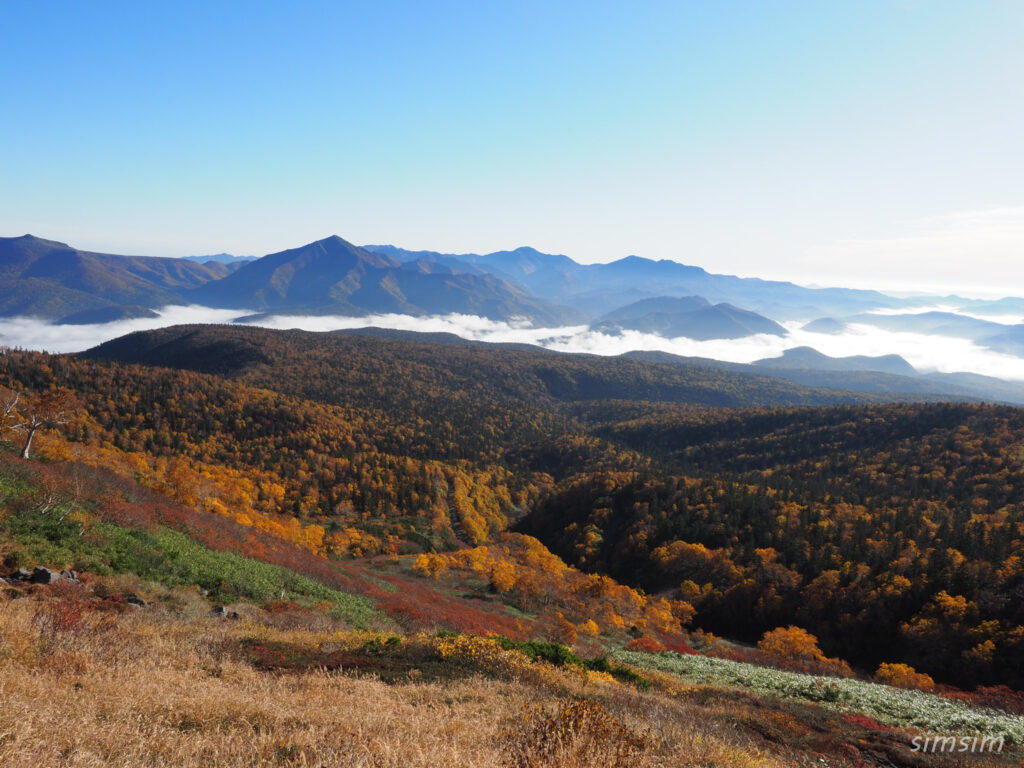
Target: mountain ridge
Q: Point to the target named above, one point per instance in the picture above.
(48, 278)
(586, 286)
(527, 374)
(691, 317)
(333, 276)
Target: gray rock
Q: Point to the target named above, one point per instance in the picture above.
(220, 611)
(22, 574)
(132, 599)
(44, 575)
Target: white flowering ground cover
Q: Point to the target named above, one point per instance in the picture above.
(892, 706)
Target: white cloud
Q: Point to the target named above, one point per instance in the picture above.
(33, 333)
(926, 353)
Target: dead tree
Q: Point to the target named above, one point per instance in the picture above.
(8, 410)
(42, 411)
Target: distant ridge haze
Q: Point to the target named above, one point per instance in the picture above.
(599, 288)
(334, 276)
(522, 296)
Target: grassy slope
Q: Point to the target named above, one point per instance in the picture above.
(63, 536)
(89, 685)
(108, 685)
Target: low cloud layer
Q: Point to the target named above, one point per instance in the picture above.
(926, 353)
(33, 333)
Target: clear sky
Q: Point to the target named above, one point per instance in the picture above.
(868, 142)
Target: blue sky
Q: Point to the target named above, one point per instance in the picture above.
(860, 143)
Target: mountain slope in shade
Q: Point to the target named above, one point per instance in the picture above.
(332, 276)
(692, 317)
(52, 280)
(460, 374)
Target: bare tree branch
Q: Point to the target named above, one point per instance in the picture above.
(43, 411)
(8, 409)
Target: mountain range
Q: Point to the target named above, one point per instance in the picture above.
(53, 281)
(598, 288)
(56, 282)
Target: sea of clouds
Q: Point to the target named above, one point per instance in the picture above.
(925, 352)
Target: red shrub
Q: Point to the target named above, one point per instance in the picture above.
(679, 645)
(645, 644)
(993, 696)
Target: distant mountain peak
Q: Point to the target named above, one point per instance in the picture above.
(29, 239)
(333, 276)
(641, 263)
(332, 243)
(334, 240)
(529, 250)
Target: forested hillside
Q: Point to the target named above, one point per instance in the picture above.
(884, 530)
(892, 531)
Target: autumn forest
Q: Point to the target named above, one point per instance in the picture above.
(890, 531)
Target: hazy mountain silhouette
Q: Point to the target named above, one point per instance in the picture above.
(599, 288)
(691, 316)
(847, 374)
(221, 258)
(1000, 337)
(811, 359)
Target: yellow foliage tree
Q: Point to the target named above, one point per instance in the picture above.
(791, 643)
(904, 676)
(503, 576)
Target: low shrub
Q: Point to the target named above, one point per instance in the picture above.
(579, 733)
(553, 653)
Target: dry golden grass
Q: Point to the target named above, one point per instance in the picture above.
(155, 688)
